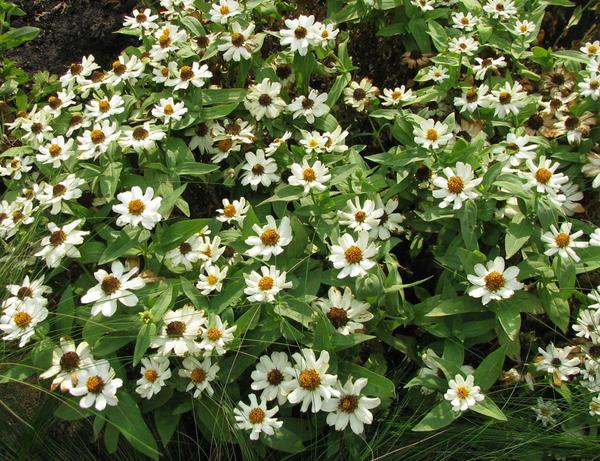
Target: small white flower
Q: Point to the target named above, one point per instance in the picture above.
(200, 137)
(346, 313)
(359, 95)
(588, 325)
(389, 221)
(137, 208)
(398, 95)
(61, 243)
(573, 196)
(195, 75)
(155, 371)
(265, 286)
(56, 152)
(63, 191)
(595, 238)
(456, 188)
(67, 359)
(259, 169)
(233, 211)
(113, 288)
(310, 384)
(179, 332)
(424, 5)
(312, 141)
(125, 69)
(508, 99)
(15, 166)
(472, 98)
(256, 417)
(78, 72)
(438, 73)
(169, 111)
(269, 376)
(523, 28)
(594, 295)
(545, 410)
(95, 142)
(200, 374)
(432, 135)
(463, 45)
(237, 45)
(351, 407)
(563, 242)
(464, 21)
(462, 394)
(500, 9)
(222, 11)
(97, 385)
(555, 361)
(483, 66)
(494, 282)
(263, 100)
(353, 256)
(360, 217)
(300, 34)
(105, 108)
(590, 86)
(28, 293)
(326, 33)
(516, 149)
(141, 138)
(210, 250)
(591, 48)
(544, 179)
(595, 406)
(21, 324)
(141, 20)
(335, 140)
(216, 335)
(186, 254)
(270, 238)
(310, 106)
(309, 176)
(212, 280)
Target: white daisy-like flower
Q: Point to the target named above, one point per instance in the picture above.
(28, 293)
(463, 45)
(431, 134)
(398, 95)
(222, 11)
(310, 106)
(265, 286)
(180, 330)
(200, 137)
(259, 169)
(544, 178)
(195, 75)
(591, 48)
(359, 95)
(594, 295)
(360, 217)
(437, 73)
(223, 147)
(588, 325)
(595, 406)
(508, 99)
(137, 208)
(494, 281)
(186, 254)
(326, 33)
(67, 359)
(456, 187)
(424, 5)
(238, 44)
(351, 407)
(21, 324)
(344, 311)
(472, 98)
(516, 149)
(60, 101)
(563, 242)
(143, 19)
(523, 28)
(216, 335)
(211, 280)
(389, 221)
(353, 257)
(210, 250)
(500, 9)
(556, 361)
(462, 393)
(169, 111)
(310, 384)
(263, 100)
(309, 176)
(335, 140)
(56, 152)
(484, 65)
(105, 108)
(590, 86)
(256, 417)
(113, 288)
(269, 239)
(200, 374)
(595, 238)
(95, 142)
(464, 21)
(312, 141)
(141, 138)
(78, 72)
(155, 372)
(300, 34)
(234, 211)
(125, 69)
(545, 411)
(97, 385)
(61, 243)
(573, 196)
(63, 191)
(269, 376)
(15, 166)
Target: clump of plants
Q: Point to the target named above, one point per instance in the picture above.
(191, 232)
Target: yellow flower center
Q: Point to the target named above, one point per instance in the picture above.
(562, 240)
(97, 136)
(256, 416)
(224, 10)
(309, 175)
(95, 384)
(229, 211)
(348, 403)
(265, 283)
(150, 375)
(456, 184)
(214, 334)
(309, 379)
(168, 109)
(136, 207)
(212, 279)
(462, 392)
(186, 73)
(22, 319)
(494, 281)
(104, 106)
(432, 134)
(360, 216)
(543, 175)
(54, 150)
(269, 237)
(353, 254)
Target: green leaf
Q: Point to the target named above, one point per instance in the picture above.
(168, 201)
(438, 34)
(418, 29)
(555, 306)
(487, 407)
(65, 312)
(517, 234)
(440, 416)
(121, 246)
(111, 438)
(171, 236)
(15, 37)
(489, 369)
(509, 316)
(166, 424)
(455, 306)
(378, 385)
(195, 169)
(69, 410)
(468, 223)
(142, 342)
(284, 440)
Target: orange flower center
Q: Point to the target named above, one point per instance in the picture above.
(214, 334)
(562, 240)
(360, 216)
(97, 136)
(309, 379)
(432, 134)
(104, 106)
(136, 207)
(462, 392)
(269, 237)
(494, 281)
(455, 184)
(256, 416)
(198, 375)
(95, 384)
(212, 279)
(543, 175)
(348, 403)
(229, 211)
(266, 283)
(54, 150)
(22, 319)
(309, 175)
(110, 284)
(150, 375)
(353, 254)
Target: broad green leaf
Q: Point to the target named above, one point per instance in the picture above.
(440, 416)
(142, 342)
(517, 234)
(487, 407)
(489, 369)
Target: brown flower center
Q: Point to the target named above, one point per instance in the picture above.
(69, 361)
(186, 73)
(359, 94)
(432, 134)
(494, 281)
(348, 403)
(258, 169)
(571, 122)
(237, 39)
(562, 240)
(141, 18)
(338, 317)
(309, 379)
(269, 237)
(224, 145)
(97, 136)
(233, 129)
(455, 184)
(300, 32)
(185, 248)
(24, 292)
(119, 68)
(139, 133)
(198, 375)
(54, 150)
(150, 375)
(353, 254)
(95, 384)
(58, 238)
(76, 69)
(309, 175)
(274, 377)
(266, 283)
(264, 100)
(54, 102)
(471, 95)
(110, 284)
(360, 216)
(36, 128)
(256, 416)
(136, 207)
(543, 175)
(58, 190)
(104, 106)
(505, 97)
(176, 328)
(307, 103)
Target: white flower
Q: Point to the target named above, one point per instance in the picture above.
(424, 5)
(432, 134)
(573, 196)
(212, 280)
(200, 137)
(544, 179)
(463, 45)
(310, 106)
(186, 254)
(462, 394)
(95, 142)
(269, 376)
(595, 238)
(456, 188)
(483, 66)
(310, 383)
(555, 361)
(65, 190)
(66, 361)
(15, 166)
(113, 288)
(142, 138)
(353, 257)
(105, 108)
(237, 130)
(594, 295)
(210, 250)
(263, 100)
(300, 34)
(222, 11)
(500, 9)
(563, 242)
(238, 44)
(523, 28)
(545, 410)
(346, 313)
(195, 75)
(359, 95)
(259, 169)
(155, 371)
(256, 417)
(28, 293)
(137, 208)
(389, 221)
(312, 141)
(270, 238)
(126, 68)
(591, 48)
(61, 243)
(141, 19)
(233, 211)
(21, 324)
(200, 374)
(168, 110)
(590, 86)
(56, 152)
(472, 98)
(309, 176)
(216, 335)
(180, 329)
(326, 33)
(494, 282)
(595, 406)
(437, 73)
(78, 72)
(97, 385)
(464, 21)
(588, 325)
(360, 217)
(334, 140)
(351, 407)
(396, 96)
(265, 286)
(516, 149)
(508, 99)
